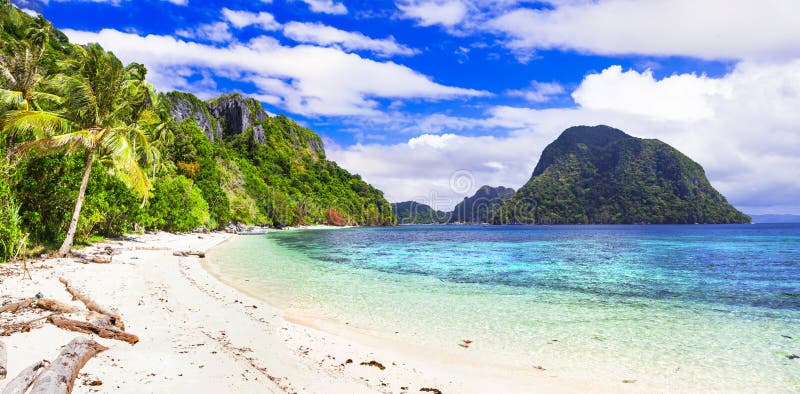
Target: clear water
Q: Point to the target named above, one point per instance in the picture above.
(703, 307)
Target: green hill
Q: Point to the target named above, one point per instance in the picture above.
(602, 175)
(412, 212)
(208, 163)
(480, 207)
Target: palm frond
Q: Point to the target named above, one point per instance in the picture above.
(11, 99)
(69, 143)
(38, 124)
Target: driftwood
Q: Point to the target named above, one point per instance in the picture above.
(59, 377)
(151, 248)
(187, 253)
(13, 307)
(25, 378)
(3, 361)
(56, 306)
(43, 303)
(91, 328)
(21, 327)
(106, 322)
(98, 259)
(91, 305)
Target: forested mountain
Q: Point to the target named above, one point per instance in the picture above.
(85, 137)
(480, 207)
(602, 175)
(412, 212)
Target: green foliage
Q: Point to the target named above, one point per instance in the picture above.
(602, 175)
(11, 233)
(481, 207)
(177, 205)
(203, 162)
(412, 212)
(47, 187)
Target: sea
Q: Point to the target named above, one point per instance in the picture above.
(668, 307)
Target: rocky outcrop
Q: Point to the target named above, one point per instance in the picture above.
(227, 115)
(188, 106)
(236, 114)
(233, 114)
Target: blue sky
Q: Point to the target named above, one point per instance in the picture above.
(413, 94)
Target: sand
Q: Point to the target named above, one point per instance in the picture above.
(197, 335)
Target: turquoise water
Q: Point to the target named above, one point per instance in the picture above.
(711, 308)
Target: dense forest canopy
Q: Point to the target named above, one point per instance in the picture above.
(69, 113)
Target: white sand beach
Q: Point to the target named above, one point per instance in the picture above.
(197, 335)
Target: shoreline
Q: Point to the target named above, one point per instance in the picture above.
(199, 334)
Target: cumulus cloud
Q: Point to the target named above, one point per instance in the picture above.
(303, 79)
(710, 29)
(742, 128)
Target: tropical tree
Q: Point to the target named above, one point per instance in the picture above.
(23, 99)
(104, 103)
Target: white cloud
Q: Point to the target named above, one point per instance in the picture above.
(240, 19)
(303, 79)
(434, 12)
(319, 34)
(326, 7)
(539, 92)
(678, 97)
(742, 128)
(216, 32)
(709, 29)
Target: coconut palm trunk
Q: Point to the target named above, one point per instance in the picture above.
(73, 225)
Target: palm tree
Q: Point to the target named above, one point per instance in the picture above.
(104, 103)
(21, 93)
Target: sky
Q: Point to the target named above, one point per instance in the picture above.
(430, 99)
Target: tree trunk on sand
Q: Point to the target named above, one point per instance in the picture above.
(91, 305)
(43, 303)
(3, 361)
(59, 377)
(90, 328)
(63, 251)
(21, 383)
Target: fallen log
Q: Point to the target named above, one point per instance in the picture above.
(106, 322)
(59, 377)
(56, 306)
(187, 253)
(93, 258)
(13, 307)
(91, 305)
(91, 328)
(25, 378)
(3, 361)
(42, 303)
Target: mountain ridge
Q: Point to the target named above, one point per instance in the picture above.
(601, 175)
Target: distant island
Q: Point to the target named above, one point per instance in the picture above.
(600, 175)
(478, 208)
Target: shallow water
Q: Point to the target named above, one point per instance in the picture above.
(700, 307)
